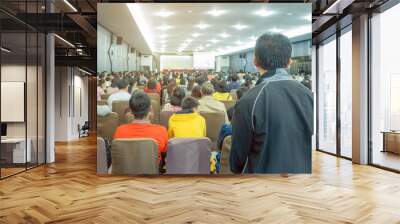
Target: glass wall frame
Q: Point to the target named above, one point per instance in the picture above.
(336, 100)
(23, 57)
(383, 87)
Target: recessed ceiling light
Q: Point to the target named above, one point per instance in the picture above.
(253, 38)
(189, 11)
(164, 27)
(240, 26)
(196, 34)
(238, 42)
(200, 48)
(224, 35)
(290, 14)
(214, 40)
(263, 12)
(188, 40)
(276, 30)
(207, 45)
(164, 13)
(163, 41)
(216, 12)
(163, 35)
(202, 26)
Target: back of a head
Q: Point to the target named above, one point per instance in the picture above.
(207, 89)
(152, 84)
(177, 96)
(235, 77)
(272, 51)
(196, 92)
(122, 83)
(222, 86)
(139, 103)
(189, 103)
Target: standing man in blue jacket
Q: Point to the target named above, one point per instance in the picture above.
(273, 122)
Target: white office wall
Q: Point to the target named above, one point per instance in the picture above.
(71, 102)
(176, 62)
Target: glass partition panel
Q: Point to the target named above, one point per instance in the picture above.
(327, 96)
(346, 93)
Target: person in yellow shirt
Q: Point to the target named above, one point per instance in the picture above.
(222, 92)
(187, 123)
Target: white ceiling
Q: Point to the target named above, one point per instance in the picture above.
(183, 21)
(117, 19)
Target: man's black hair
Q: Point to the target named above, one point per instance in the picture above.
(235, 77)
(122, 83)
(152, 84)
(177, 96)
(189, 103)
(273, 50)
(139, 103)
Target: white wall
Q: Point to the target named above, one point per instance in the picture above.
(222, 63)
(147, 60)
(71, 102)
(122, 59)
(176, 62)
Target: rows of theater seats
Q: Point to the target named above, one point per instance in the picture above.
(139, 156)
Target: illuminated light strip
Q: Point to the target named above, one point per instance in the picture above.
(331, 7)
(5, 50)
(70, 5)
(136, 12)
(64, 40)
(86, 72)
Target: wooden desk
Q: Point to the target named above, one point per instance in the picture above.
(391, 141)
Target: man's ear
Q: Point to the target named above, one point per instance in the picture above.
(290, 62)
(256, 62)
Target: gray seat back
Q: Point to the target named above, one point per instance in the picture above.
(134, 156)
(188, 156)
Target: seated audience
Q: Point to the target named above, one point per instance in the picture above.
(234, 84)
(152, 87)
(176, 100)
(196, 92)
(187, 123)
(100, 88)
(222, 92)
(140, 105)
(121, 94)
(208, 103)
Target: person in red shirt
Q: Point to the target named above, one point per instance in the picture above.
(140, 105)
(152, 87)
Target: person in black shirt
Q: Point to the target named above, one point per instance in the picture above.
(273, 122)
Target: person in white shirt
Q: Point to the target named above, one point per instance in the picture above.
(122, 93)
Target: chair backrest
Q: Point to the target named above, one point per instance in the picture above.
(164, 118)
(214, 122)
(106, 125)
(228, 103)
(188, 156)
(154, 96)
(105, 96)
(234, 95)
(134, 156)
(156, 111)
(101, 102)
(101, 156)
(120, 107)
(225, 153)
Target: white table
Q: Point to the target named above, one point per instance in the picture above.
(18, 148)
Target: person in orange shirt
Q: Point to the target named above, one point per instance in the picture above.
(140, 105)
(152, 87)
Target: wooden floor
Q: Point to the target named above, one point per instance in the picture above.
(70, 192)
